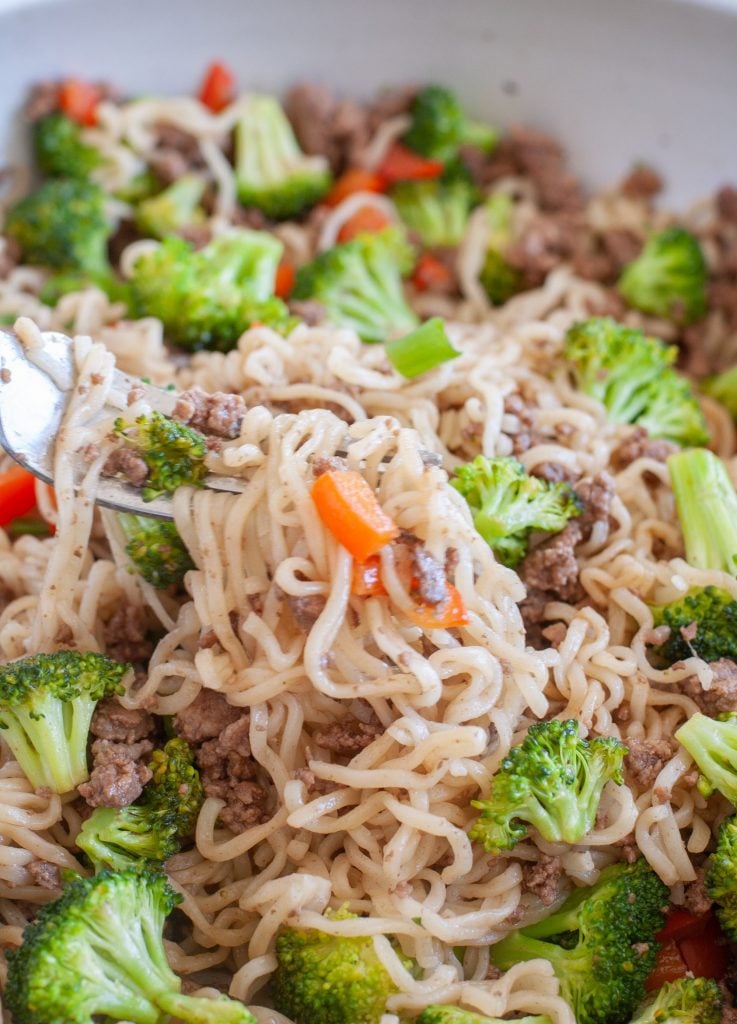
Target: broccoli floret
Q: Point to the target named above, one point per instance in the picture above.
(207, 299)
(723, 387)
(553, 782)
(440, 126)
(177, 207)
(668, 278)
(721, 878)
(46, 706)
(329, 979)
(600, 943)
(499, 280)
(436, 212)
(686, 1001)
(156, 549)
(632, 375)
(359, 284)
(142, 185)
(706, 503)
(455, 1015)
(98, 952)
(272, 173)
(60, 149)
(173, 452)
(151, 830)
(508, 504)
(712, 743)
(713, 611)
(63, 226)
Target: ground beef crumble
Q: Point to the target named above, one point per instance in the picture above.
(326, 125)
(722, 695)
(542, 878)
(125, 462)
(348, 736)
(126, 635)
(639, 445)
(119, 773)
(113, 722)
(217, 414)
(646, 759)
(206, 717)
(695, 896)
(45, 874)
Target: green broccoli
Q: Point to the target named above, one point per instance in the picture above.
(141, 185)
(207, 299)
(668, 278)
(632, 375)
(359, 284)
(686, 1001)
(272, 173)
(721, 878)
(600, 943)
(98, 952)
(176, 207)
(151, 830)
(723, 387)
(440, 127)
(63, 226)
(156, 549)
(443, 1014)
(507, 504)
(713, 610)
(706, 504)
(46, 706)
(328, 979)
(553, 782)
(712, 743)
(174, 453)
(500, 281)
(60, 149)
(437, 213)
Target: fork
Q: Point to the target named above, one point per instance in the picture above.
(32, 407)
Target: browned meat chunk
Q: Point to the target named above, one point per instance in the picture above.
(348, 736)
(390, 103)
(128, 464)
(43, 99)
(313, 784)
(527, 435)
(120, 725)
(540, 158)
(176, 154)
(427, 574)
(726, 202)
(126, 635)
(229, 773)
(309, 310)
(695, 897)
(45, 874)
(218, 414)
(542, 878)
(326, 125)
(543, 245)
(639, 445)
(554, 472)
(596, 495)
(206, 717)
(306, 609)
(642, 182)
(647, 758)
(722, 696)
(118, 775)
(552, 565)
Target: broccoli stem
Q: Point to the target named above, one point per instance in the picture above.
(707, 509)
(196, 1010)
(56, 755)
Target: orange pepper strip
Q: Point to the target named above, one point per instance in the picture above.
(355, 179)
(431, 275)
(17, 494)
(218, 87)
(367, 578)
(365, 219)
(402, 164)
(452, 612)
(350, 510)
(78, 100)
(285, 274)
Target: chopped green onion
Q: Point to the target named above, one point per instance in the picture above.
(421, 350)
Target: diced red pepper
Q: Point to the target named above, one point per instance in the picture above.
(17, 494)
(669, 966)
(367, 578)
(692, 943)
(218, 87)
(79, 100)
(707, 953)
(285, 274)
(355, 179)
(402, 164)
(366, 219)
(431, 275)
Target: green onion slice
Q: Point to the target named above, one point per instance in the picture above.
(421, 350)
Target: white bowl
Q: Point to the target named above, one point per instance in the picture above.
(616, 80)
